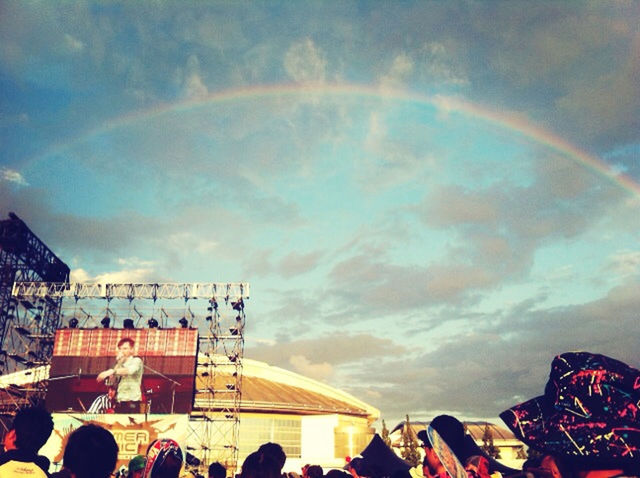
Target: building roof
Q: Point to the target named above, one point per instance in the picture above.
(475, 429)
(269, 388)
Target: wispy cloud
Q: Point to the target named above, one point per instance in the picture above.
(304, 62)
(12, 176)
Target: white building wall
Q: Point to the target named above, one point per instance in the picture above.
(318, 442)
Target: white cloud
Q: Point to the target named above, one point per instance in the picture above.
(318, 371)
(134, 262)
(79, 275)
(439, 65)
(13, 176)
(72, 43)
(189, 241)
(401, 67)
(305, 63)
(377, 130)
(140, 275)
(194, 86)
(625, 263)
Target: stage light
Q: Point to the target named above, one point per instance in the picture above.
(153, 323)
(238, 305)
(184, 323)
(238, 318)
(208, 318)
(73, 323)
(128, 324)
(106, 320)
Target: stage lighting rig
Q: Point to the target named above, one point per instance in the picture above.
(238, 306)
(152, 323)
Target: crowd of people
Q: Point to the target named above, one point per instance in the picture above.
(586, 424)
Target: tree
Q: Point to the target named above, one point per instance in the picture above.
(521, 454)
(487, 443)
(385, 434)
(410, 447)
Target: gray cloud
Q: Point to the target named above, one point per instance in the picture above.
(492, 367)
(335, 349)
(294, 264)
(73, 233)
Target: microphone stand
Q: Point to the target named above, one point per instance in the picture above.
(174, 384)
(63, 377)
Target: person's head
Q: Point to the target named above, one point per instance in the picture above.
(126, 346)
(337, 474)
(315, 471)
(431, 464)
(32, 427)
(91, 452)
(216, 470)
(260, 465)
(164, 459)
(275, 452)
(586, 423)
(136, 466)
(111, 392)
(359, 468)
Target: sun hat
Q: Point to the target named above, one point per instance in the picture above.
(589, 413)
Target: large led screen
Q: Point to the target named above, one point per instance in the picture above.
(123, 371)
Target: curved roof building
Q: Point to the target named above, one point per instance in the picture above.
(314, 422)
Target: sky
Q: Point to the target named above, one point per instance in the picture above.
(429, 200)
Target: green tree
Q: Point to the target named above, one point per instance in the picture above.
(487, 443)
(410, 446)
(385, 434)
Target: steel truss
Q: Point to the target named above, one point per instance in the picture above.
(215, 420)
(26, 326)
(79, 290)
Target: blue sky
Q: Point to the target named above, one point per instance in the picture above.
(426, 258)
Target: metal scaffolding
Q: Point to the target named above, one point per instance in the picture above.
(26, 325)
(216, 309)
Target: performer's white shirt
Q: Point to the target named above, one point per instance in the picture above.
(129, 385)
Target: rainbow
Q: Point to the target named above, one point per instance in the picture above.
(506, 120)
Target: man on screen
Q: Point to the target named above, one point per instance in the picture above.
(126, 375)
